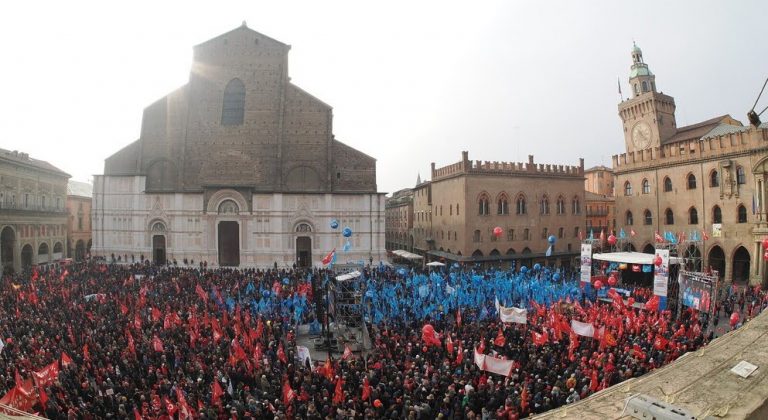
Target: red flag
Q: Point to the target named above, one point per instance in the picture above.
(459, 355)
(429, 336)
(157, 344)
(594, 382)
(366, 389)
(608, 339)
(137, 321)
(185, 410)
(581, 235)
(500, 340)
(338, 395)
(86, 353)
(46, 375)
(328, 369)
(704, 235)
(481, 347)
(524, 399)
(216, 393)
(156, 315)
(169, 406)
(540, 339)
(65, 359)
(449, 345)
(347, 353)
(657, 237)
(632, 232)
(43, 396)
(131, 343)
(217, 333)
(660, 343)
(123, 308)
(330, 257)
(136, 414)
(288, 393)
(638, 352)
(653, 303)
(200, 292)
(602, 236)
(458, 317)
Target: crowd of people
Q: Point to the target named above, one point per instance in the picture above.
(135, 341)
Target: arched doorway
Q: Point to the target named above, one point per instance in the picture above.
(741, 265)
(649, 249)
(716, 260)
(304, 244)
(7, 243)
(629, 247)
(42, 254)
(158, 249)
(79, 250)
(692, 258)
(26, 256)
(229, 243)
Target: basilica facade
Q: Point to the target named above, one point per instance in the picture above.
(239, 167)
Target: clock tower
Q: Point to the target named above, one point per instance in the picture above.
(648, 117)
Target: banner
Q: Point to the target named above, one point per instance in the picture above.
(493, 364)
(586, 263)
(302, 354)
(661, 273)
(516, 315)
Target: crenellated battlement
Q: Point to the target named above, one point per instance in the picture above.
(530, 168)
(682, 152)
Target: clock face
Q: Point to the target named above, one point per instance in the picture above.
(641, 135)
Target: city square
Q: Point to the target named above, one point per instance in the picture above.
(236, 259)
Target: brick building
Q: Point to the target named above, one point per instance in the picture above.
(600, 180)
(79, 219)
(399, 220)
(600, 213)
(456, 212)
(705, 179)
(238, 167)
(33, 217)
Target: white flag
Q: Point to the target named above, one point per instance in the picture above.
(516, 315)
(582, 328)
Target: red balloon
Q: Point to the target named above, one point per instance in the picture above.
(612, 239)
(598, 284)
(657, 261)
(765, 256)
(765, 244)
(734, 318)
(497, 231)
(612, 280)
(631, 301)
(428, 329)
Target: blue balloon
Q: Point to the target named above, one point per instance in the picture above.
(347, 232)
(265, 293)
(523, 269)
(551, 239)
(556, 276)
(334, 224)
(536, 267)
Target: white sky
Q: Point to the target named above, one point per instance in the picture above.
(410, 82)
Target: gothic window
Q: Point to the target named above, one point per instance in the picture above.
(303, 227)
(576, 206)
(544, 232)
(627, 188)
(483, 208)
(457, 209)
(560, 205)
(560, 233)
(714, 179)
(476, 236)
(630, 220)
(741, 176)
(667, 184)
(526, 234)
(691, 182)
(646, 187)
(521, 204)
(228, 207)
(576, 232)
(637, 91)
(717, 215)
(669, 217)
(645, 86)
(693, 216)
(647, 217)
(503, 205)
(233, 104)
(511, 235)
(544, 205)
(742, 212)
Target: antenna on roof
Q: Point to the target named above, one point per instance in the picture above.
(754, 117)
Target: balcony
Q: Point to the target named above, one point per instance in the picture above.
(597, 213)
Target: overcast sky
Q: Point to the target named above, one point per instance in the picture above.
(410, 82)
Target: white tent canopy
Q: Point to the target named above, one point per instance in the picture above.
(631, 258)
(436, 264)
(348, 276)
(407, 255)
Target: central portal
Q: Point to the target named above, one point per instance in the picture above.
(158, 250)
(304, 251)
(229, 244)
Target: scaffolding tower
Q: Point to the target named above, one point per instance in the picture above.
(349, 312)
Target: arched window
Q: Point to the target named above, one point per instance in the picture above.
(483, 207)
(667, 184)
(714, 179)
(544, 233)
(576, 206)
(691, 182)
(647, 217)
(229, 207)
(561, 233)
(520, 205)
(741, 176)
(693, 216)
(450, 210)
(526, 234)
(646, 187)
(645, 86)
(560, 205)
(544, 205)
(503, 205)
(717, 215)
(669, 217)
(457, 209)
(627, 188)
(742, 211)
(233, 105)
(630, 219)
(511, 235)
(476, 236)
(637, 91)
